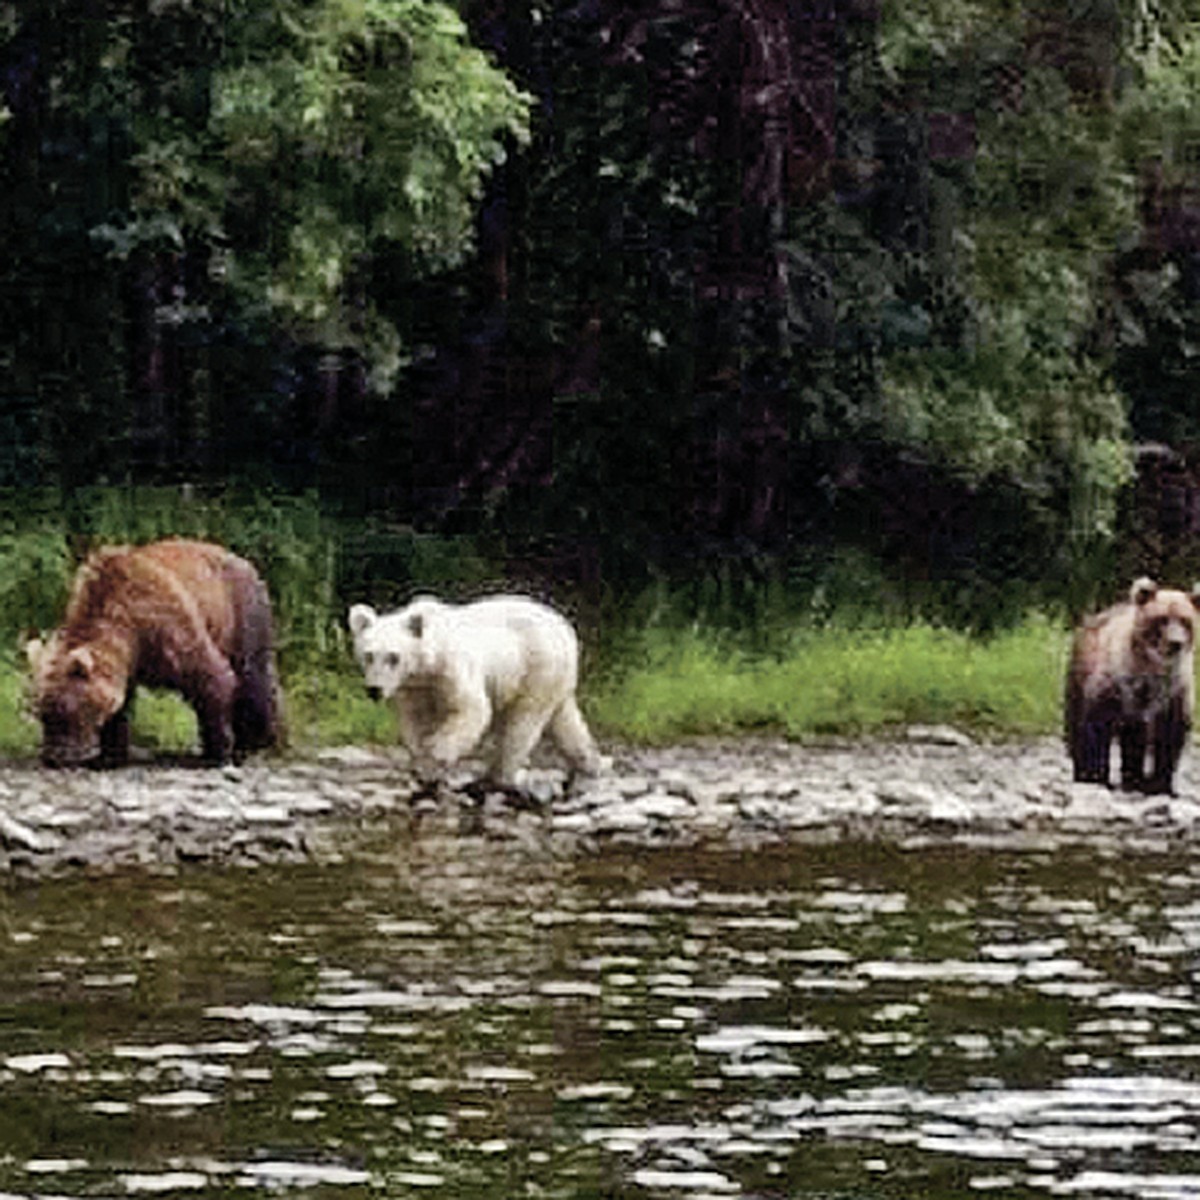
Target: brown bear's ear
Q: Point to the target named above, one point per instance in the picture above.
(1143, 591)
(416, 625)
(80, 663)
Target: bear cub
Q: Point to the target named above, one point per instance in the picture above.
(1131, 676)
(505, 664)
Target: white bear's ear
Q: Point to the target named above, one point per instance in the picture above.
(1143, 591)
(362, 617)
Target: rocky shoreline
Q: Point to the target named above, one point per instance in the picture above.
(928, 786)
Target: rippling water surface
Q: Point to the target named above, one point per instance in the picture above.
(449, 1016)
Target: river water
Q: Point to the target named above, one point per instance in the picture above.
(447, 1015)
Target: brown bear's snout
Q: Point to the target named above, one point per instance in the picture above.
(64, 743)
(68, 754)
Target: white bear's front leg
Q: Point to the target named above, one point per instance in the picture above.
(523, 726)
(465, 722)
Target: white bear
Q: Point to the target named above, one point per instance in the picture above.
(504, 664)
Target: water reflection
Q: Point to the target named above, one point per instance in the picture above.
(445, 1014)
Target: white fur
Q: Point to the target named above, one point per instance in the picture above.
(506, 664)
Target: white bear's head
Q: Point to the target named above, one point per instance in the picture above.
(395, 647)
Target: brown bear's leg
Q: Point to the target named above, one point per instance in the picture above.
(1090, 750)
(1170, 733)
(213, 699)
(1133, 756)
(256, 717)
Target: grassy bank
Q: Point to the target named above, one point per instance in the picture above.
(654, 668)
(665, 685)
(835, 680)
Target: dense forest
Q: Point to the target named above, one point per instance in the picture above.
(624, 290)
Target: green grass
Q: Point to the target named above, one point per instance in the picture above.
(322, 708)
(796, 656)
(666, 685)
(834, 680)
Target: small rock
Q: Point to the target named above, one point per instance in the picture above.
(949, 810)
(348, 756)
(310, 806)
(938, 735)
(622, 817)
(661, 806)
(542, 790)
(633, 785)
(917, 795)
(13, 832)
(267, 814)
(572, 823)
(761, 809)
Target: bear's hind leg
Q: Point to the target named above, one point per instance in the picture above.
(257, 715)
(574, 739)
(256, 721)
(214, 699)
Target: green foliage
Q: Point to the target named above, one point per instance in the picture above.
(1022, 395)
(285, 146)
(311, 558)
(327, 705)
(19, 732)
(344, 126)
(292, 542)
(834, 679)
(35, 569)
(718, 318)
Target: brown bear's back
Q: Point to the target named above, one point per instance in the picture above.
(196, 577)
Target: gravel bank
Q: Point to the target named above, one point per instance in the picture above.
(931, 786)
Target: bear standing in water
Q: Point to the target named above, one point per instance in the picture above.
(177, 614)
(1131, 676)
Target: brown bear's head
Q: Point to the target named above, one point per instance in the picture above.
(78, 690)
(1164, 628)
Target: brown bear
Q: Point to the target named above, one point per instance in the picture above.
(176, 614)
(1131, 676)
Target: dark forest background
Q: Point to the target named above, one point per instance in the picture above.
(625, 292)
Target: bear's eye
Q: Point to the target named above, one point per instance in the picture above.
(393, 660)
(368, 658)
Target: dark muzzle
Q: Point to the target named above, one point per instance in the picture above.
(68, 756)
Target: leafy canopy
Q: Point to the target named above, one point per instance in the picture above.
(300, 140)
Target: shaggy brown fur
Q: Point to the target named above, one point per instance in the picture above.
(178, 614)
(1131, 677)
